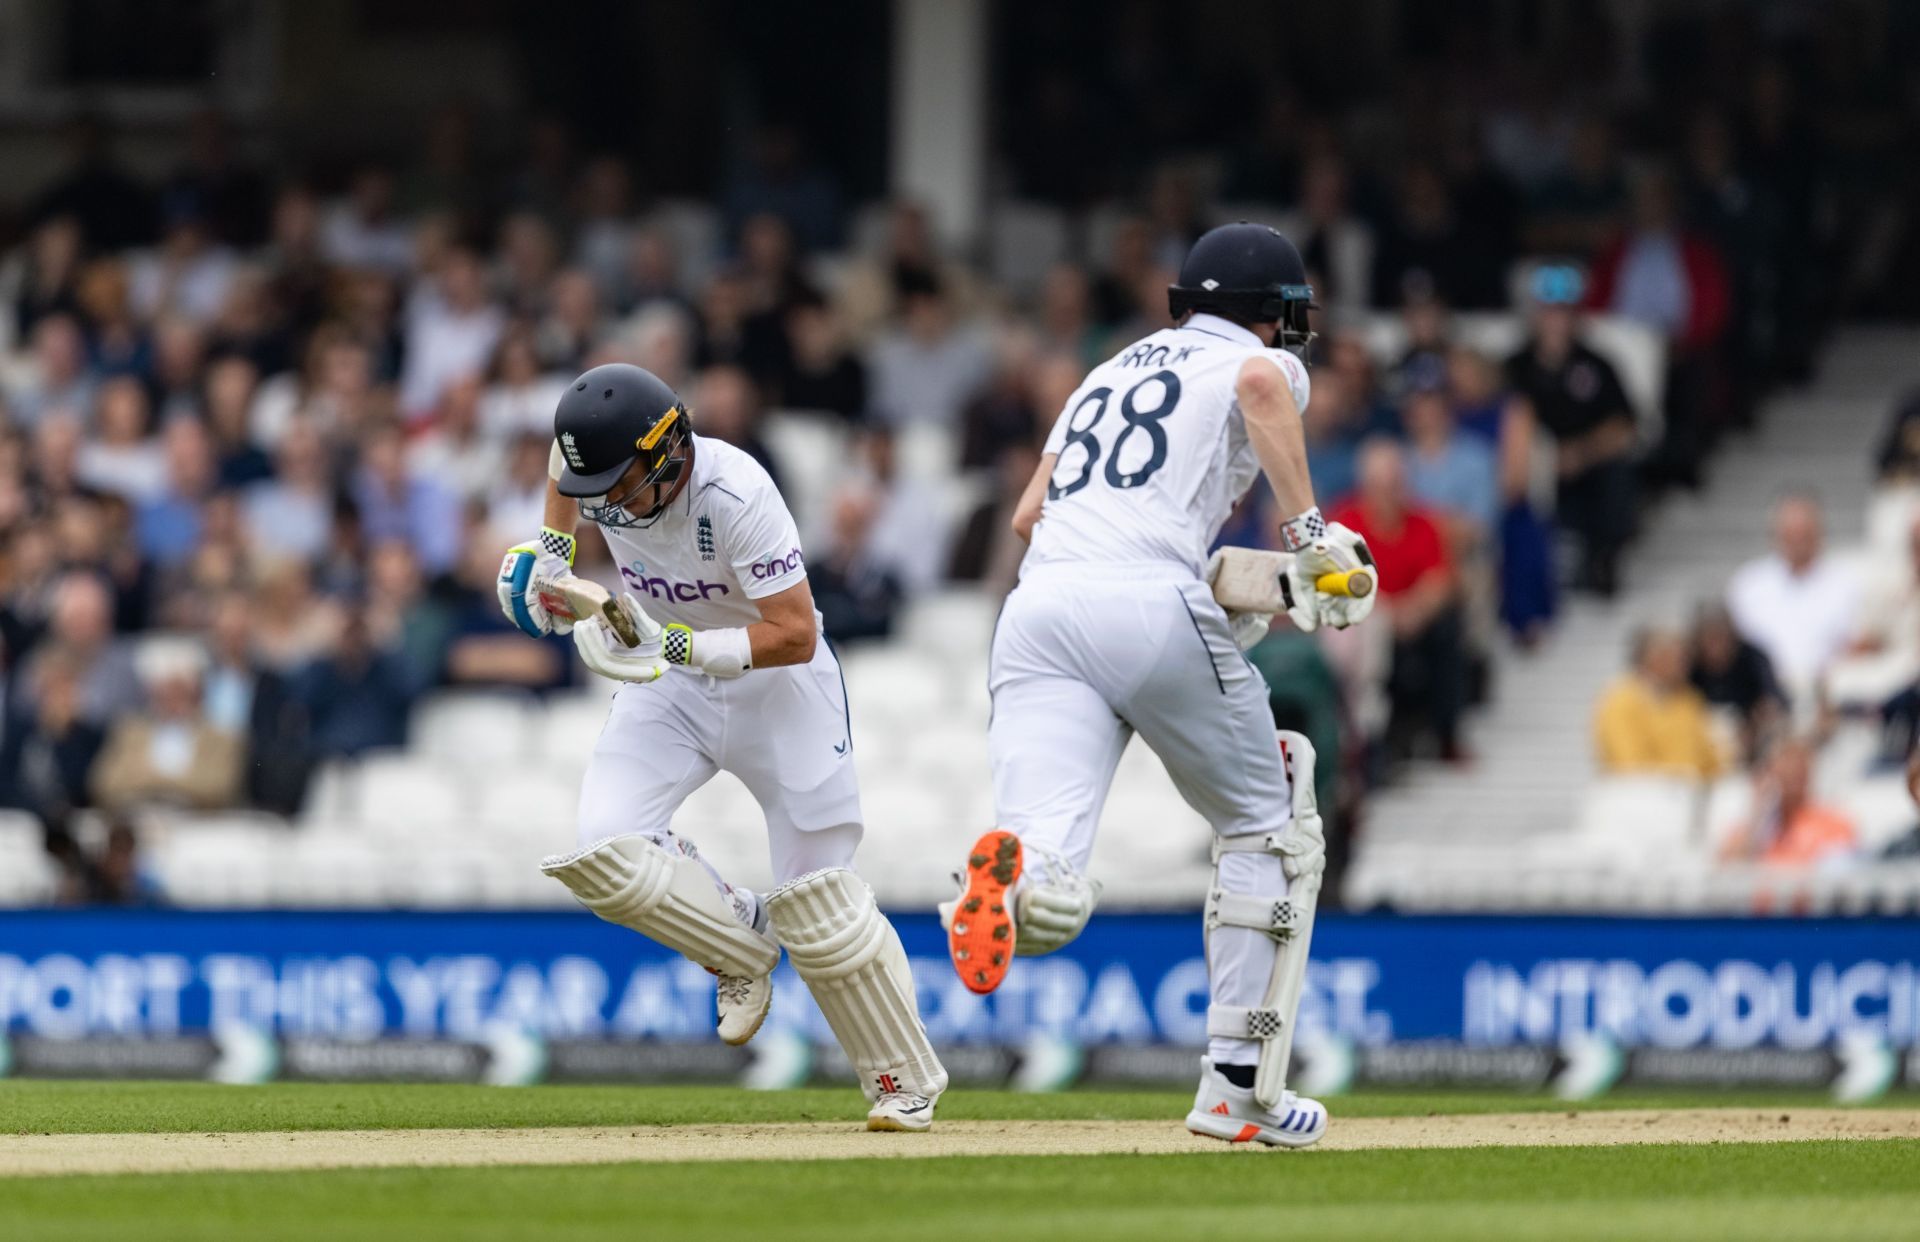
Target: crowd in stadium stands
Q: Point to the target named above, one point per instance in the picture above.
(293, 420)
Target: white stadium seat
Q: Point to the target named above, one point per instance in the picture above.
(480, 728)
(401, 792)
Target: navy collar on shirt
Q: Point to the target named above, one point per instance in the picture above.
(1226, 329)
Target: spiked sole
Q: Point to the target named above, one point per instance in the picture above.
(980, 941)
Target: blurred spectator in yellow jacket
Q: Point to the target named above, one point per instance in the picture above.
(1652, 722)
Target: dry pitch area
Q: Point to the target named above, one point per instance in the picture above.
(28, 1155)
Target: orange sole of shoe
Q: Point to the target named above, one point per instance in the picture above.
(980, 941)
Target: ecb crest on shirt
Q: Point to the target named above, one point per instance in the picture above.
(703, 537)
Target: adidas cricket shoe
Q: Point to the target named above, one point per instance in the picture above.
(901, 1110)
(742, 1005)
(980, 920)
(1224, 1111)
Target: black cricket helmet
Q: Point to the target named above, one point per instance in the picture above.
(1249, 273)
(609, 418)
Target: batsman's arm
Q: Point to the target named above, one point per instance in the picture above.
(1275, 430)
(1026, 514)
(562, 512)
(786, 632)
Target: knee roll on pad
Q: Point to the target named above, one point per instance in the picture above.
(1287, 919)
(852, 961)
(665, 895)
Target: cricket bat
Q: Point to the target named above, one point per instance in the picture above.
(1248, 580)
(576, 599)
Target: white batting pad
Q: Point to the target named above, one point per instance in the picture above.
(853, 962)
(665, 896)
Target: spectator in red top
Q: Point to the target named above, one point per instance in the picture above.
(1419, 595)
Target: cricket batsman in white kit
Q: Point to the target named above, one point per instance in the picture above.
(1115, 630)
(725, 670)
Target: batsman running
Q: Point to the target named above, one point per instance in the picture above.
(724, 669)
(1118, 627)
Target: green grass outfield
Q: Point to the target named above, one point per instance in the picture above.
(1850, 1190)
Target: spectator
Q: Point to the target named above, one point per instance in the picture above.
(1566, 387)
(79, 636)
(455, 452)
(1789, 828)
(986, 550)
(1450, 471)
(858, 594)
(1672, 280)
(777, 180)
(291, 625)
(517, 502)
(520, 397)
(1419, 596)
(1651, 722)
(928, 368)
(1797, 605)
(169, 523)
(357, 695)
(821, 374)
(570, 328)
(1335, 243)
(605, 229)
(189, 273)
(451, 332)
(119, 458)
(1065, 317)
(119, 875)
(527, 259)
(871, 293)
(40, 281)
(1735, 678)
(1024, 391)
(56, 382)
(361, 231)
(228, 399)
(1899, 456)
(290, 514)
(1882, 654)
(395, 502)
(169, 753)
(247, 700)
(1576, 207)
(231, 195)
(907, 530)
(726, 406)
(49, 746)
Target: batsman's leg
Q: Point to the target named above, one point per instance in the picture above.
(631, 870)
(1054, 744)
(853, 962)
(1210, 723)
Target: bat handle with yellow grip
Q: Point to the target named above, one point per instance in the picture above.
(1351, 583)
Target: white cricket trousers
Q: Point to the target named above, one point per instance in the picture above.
(783, 731)
(1084, 657)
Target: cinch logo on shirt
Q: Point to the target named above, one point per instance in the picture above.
(659, 588)
(774, 566)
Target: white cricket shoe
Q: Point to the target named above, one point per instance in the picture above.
(1224, 1111)
(742, 1005)
(901, 1110)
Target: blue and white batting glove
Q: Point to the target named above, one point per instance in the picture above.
(548, 557)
